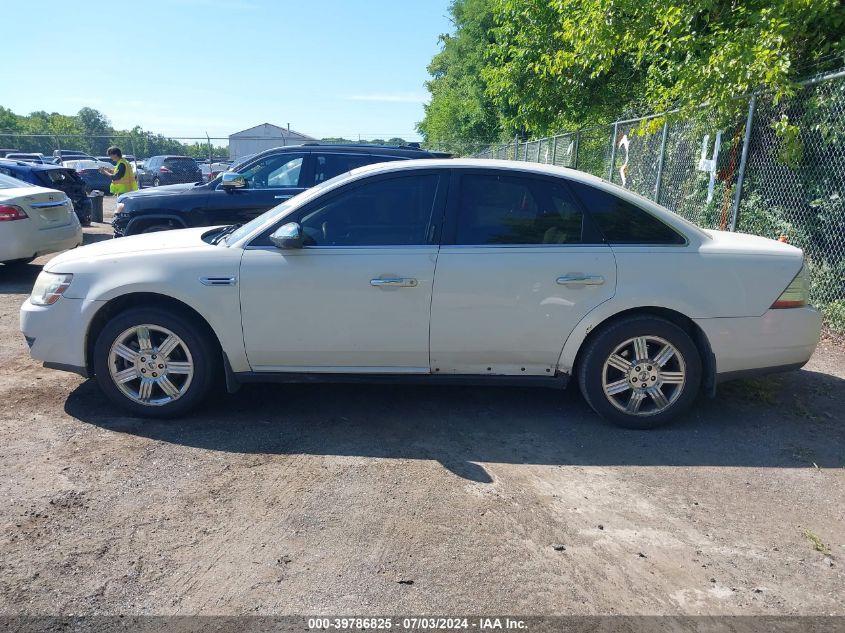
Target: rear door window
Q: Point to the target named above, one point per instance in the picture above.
(508, 210)
(622, 222)
(327, 166)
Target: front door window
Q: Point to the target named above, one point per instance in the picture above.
(275, 172)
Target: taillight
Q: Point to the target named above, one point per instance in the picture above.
(9, 213)
(797, 293)
(165, 170)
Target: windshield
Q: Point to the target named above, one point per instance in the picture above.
(7, 182)
(281, 210)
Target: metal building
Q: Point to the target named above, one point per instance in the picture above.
(264, 136)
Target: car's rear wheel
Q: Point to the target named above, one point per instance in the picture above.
(640, 372)
(154, 362)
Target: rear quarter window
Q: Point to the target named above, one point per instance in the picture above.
(622, 222)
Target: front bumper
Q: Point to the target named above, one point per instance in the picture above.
(777, 340)
(119, 224)
(57, 334)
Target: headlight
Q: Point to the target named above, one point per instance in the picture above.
(49, 287)
(118, 209)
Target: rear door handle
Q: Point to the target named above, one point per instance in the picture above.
(285, 197)
(578, 279)
(393, 282)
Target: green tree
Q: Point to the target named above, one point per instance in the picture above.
(461, 115)
(533, 67)
(94, 124)
(566, 62)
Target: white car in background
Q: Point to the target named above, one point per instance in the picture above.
(34, 221)
(435, 271)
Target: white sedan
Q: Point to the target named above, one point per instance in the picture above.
(34, 221)
(432, 271)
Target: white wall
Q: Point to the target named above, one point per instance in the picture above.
(261, 138)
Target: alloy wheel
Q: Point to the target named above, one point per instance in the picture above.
(644, 375)
(150, 365)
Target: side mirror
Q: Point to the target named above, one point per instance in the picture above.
(233, 180)
(287, 236)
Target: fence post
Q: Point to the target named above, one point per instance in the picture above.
(612, 152)
(575, 149)
(134, 153)
(660, 162)
(539, 147)
(742, 161)
(516, 146)
(554, 150)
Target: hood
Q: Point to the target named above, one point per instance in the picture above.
(744, 244)
(116, 247)
(164, 190)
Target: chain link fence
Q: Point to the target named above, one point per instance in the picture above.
(780, 173)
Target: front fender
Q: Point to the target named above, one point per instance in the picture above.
(141, 220)
(219, 305)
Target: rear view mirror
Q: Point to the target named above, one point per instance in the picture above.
(287, 236)
(233, 180)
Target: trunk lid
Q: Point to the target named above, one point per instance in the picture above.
(47, 208)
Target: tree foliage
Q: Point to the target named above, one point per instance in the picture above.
(89, 131)
(461, 114)
(539, 66)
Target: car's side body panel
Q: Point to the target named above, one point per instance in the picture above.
(501, 310)
(321, 309)
(705, 283)
(146, 264)
(778, 338)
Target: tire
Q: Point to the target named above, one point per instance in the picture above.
(615, 361)
(156, 182)
(189, 366)
(155, 228)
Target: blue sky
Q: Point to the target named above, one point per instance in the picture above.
(184, 67)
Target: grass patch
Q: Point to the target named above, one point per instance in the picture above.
(817, 543)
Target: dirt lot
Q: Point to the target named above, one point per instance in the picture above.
(327, 499)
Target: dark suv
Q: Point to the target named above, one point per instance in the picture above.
(255, 185)
(53, 177)
(169, 170)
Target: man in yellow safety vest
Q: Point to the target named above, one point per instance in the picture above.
(122, 176)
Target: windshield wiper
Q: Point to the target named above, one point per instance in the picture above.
(224, 232)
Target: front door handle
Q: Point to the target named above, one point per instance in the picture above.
(284, 197)
(577, 279)
(393, 282)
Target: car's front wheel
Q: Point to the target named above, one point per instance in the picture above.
(154, 362)
(156, 182)
(640, 372)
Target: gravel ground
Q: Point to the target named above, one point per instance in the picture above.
(358, 499)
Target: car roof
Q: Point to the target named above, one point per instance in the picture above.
(353, 148)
